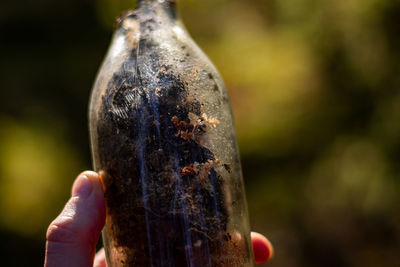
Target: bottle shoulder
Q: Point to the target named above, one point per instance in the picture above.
(152, 58)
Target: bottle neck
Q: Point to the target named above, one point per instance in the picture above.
(168, 5)
(146, 2)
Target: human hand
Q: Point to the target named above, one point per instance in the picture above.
(72, 236)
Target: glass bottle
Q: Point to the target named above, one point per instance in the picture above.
(164, 144)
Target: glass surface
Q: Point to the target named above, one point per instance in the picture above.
(164, 144)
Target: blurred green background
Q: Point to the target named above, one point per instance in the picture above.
(314, 87)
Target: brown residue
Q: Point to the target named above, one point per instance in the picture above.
(132, 28)
(201, 170)
(194, 129)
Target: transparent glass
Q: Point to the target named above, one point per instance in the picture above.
(164, 144)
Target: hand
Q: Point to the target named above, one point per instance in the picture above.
(72, 236)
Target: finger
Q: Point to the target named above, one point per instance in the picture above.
(100, 259)
(72, 236)
(263, 249)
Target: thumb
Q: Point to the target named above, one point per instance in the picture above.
(72, 236)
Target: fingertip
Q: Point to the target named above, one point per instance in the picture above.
(262, 247)
(100, 259)
(98, 194)
(82, 187)
(93, 177)
(90, 174)
(88, 189)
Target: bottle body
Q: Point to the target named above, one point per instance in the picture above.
(164, 144)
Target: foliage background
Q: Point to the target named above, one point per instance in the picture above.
(314, 87)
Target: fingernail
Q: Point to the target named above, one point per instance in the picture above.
(82, 187)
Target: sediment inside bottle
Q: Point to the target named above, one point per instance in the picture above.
(165, 190)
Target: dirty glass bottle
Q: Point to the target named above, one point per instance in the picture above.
(164, 144)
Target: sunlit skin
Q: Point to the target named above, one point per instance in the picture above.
(72, 236)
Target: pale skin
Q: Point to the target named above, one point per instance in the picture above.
(72, 236)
